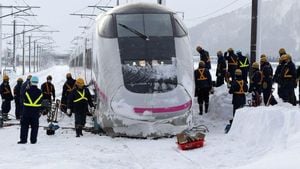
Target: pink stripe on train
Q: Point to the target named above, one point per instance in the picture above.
(164, 109)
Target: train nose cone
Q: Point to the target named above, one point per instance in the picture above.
(151, 106)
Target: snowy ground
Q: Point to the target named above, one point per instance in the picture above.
(260, 138)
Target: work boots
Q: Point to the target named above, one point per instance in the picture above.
(77, 132)
(200, 109)
(206, 107)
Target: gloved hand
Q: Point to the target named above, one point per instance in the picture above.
(69, 112)
(3, 100)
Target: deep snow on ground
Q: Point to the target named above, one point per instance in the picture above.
(260, 138)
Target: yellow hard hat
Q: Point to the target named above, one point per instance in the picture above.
(238, 72)
(263, 59)
(284, 57)
(255, 65)
(5, 77)
(79, 82)
(282, 51)
(20, 80)
(230, 50)
(220, 53)
(201, 64)
(263, 56)
(289, 57)
(199, 48)
(68, 75)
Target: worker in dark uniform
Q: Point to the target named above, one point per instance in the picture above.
(6, 96)
(221, 69)
(68, 86)
(255, 84)
(17, 97)
(267, 82)
(25, 86)
(288, 80)
(243, 64)
(204, 56)
(32, 107)
(278, 72)
(238, 88)
(48, 90)
(203, 84)
(232, 61)
(78, 102)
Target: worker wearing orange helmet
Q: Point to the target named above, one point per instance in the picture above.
(6, 96)
(78, 102)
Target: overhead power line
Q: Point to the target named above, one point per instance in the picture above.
(214, 12)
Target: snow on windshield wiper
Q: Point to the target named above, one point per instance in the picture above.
(135, 32)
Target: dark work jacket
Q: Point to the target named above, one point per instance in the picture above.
(238, 99)
(256, 81)
(221, 67)
(278, 70)
(17, 91)
(204, 56)
(34, 94)
(267, 71)
(288, 75)
(202, 80)
(67, 89)
(82, 105)
(48, 90)
(5, 91)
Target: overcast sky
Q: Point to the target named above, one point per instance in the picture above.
(56, 14)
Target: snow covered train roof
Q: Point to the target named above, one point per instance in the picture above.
(140, 8)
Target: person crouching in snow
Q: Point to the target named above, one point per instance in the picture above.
(78, 102)
(32, 102)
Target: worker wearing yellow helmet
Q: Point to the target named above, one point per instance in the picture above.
(78, 102)
(6, 96)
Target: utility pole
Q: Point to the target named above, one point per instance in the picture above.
(253, 31)
(118, 2)
(14, 45)
(161, 2)
(34, 55)
(29, 53)
(23, 53)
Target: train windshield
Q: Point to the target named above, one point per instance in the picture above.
(147, 51)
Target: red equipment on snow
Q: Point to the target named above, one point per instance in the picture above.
(193, 138)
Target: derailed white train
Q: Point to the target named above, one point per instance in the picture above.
(139, 62)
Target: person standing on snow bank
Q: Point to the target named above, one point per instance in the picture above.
(17, 97)
(48, 90)
(31, 113)
(6, 96)
(203, 84)
(238, 88)
(67, 89)
(78, 102)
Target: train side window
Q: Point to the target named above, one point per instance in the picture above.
(105, 27)
(180, 29)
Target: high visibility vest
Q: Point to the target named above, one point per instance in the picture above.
(69, 88)
(33, 104)
(201, 73)
(286, 75)
(242, 65)
(241, 85)
(233, 62)
(82, 96)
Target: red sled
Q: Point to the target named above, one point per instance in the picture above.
(191, 145)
